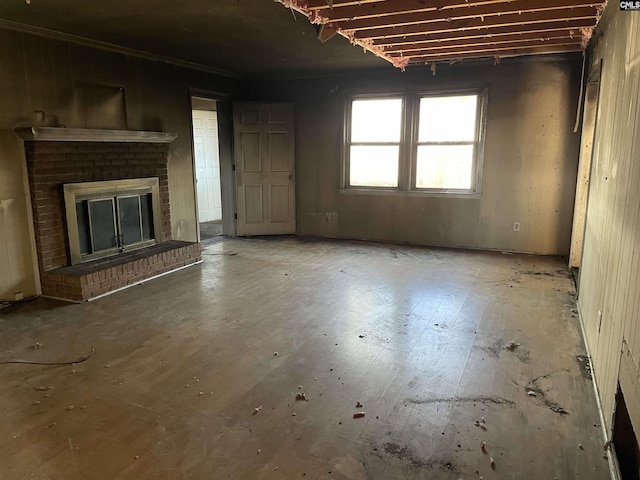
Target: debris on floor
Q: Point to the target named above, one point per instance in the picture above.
(275, 354)
(37, 346)
(257, 410)
(41, 389)
(585, 366)
(302, 396)
(511, 346)
(531, 393)
(70, 408)
(483, 446)
(481, 423)
(492, 462)
(358, 405)
(358, 415)
(362, 335)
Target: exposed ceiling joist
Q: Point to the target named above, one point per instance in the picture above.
(543, 31)
(453, 47)
(497, 53)
(475, 23)
(415, 11)
(416, 31)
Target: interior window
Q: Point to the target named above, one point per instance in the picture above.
(423, 143)
(374, 146)
(447, 142)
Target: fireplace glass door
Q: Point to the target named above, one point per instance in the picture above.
(110, 217)
(114, 224)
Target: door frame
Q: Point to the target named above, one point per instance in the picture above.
(585, 164)
(224, 111)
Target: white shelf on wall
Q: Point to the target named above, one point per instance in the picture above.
(60, 134)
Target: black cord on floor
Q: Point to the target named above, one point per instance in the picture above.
(54, 364)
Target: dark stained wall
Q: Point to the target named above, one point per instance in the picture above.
(530, 159)
(85, 87)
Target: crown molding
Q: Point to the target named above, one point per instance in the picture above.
(111, 47)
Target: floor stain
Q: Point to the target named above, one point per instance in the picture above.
(478, 399)
(406, 454)
(543, 388)
(495, 348)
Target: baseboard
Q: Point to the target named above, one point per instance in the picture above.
(612, 460)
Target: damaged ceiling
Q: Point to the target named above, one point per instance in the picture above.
(406, 32)
(261, 37)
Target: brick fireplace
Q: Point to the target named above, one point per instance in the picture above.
(59, 157)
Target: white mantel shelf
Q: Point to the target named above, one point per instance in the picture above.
(59, 134)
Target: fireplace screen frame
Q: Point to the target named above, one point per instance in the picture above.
(78, 192)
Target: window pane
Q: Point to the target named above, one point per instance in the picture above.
(146, 207)
(103, 225)
(448, 119)
(82, 215)
(130, 227)
(376, 120)
(447, 167)
(374, 166)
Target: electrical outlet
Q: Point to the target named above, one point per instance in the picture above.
(516, 226)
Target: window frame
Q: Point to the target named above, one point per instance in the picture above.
(347, 143)
(408, 147)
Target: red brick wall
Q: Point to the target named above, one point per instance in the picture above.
(52, 164)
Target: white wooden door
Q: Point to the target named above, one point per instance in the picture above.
(265, 177)
(205, 142)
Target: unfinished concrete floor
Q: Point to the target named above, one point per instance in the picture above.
(416, 335)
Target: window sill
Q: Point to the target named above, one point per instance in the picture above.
(407, 193)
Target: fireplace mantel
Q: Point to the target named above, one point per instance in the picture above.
(60, 134)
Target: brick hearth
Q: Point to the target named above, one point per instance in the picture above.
(92, 279)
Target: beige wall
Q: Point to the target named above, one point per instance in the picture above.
(530, 159)
(66, 80)
(610, 271)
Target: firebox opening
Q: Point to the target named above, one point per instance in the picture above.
(110, 217)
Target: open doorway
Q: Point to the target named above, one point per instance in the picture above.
(207, 167)
(625, 441)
